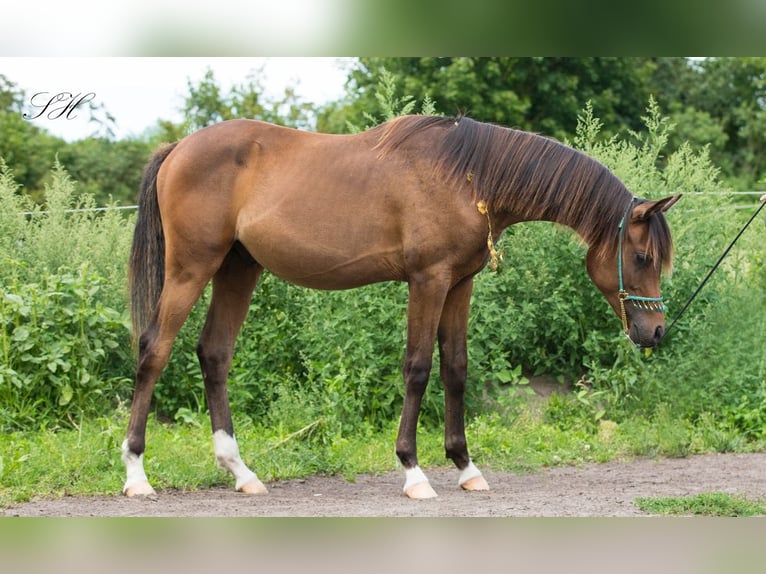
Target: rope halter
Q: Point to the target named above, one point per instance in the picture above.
(644, 303)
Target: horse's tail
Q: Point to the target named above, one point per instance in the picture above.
(146, 271)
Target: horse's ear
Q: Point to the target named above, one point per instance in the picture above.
(645, 210)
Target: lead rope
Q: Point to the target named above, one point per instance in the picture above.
(710, 273)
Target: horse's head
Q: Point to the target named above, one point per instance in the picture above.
(629, 276)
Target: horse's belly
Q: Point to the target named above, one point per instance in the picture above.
(323, 266)
(308, 242)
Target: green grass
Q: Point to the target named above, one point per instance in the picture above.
(707, 504)
(84, 459)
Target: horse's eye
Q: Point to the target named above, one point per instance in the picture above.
(643, 260)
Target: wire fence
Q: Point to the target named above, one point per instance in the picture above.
(132, 207)
(737, 207)
(83, 210)
(729, 193)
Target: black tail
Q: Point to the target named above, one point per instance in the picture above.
(146, 269)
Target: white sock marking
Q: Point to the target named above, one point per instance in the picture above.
(413, 476)
(134, 465)
(227, 455)
(468, 473)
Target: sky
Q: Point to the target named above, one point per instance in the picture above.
(139, 91)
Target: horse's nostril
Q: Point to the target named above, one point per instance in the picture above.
(659, 332)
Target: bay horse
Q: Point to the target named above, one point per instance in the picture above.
(420, 199)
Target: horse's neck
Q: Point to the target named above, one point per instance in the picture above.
(574, 219)
(506, 218)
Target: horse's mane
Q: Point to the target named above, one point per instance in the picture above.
(534, 177)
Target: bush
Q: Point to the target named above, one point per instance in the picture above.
(64, 336)
(62, 351)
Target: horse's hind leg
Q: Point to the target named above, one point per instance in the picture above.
(454, 365)
(233, 286)
(177, 299)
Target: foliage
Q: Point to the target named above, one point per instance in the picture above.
(27, 149)
(109, 171)
(731, 91)
(67, 233)
(720, 323)
(62, 350)
(206, 104)
(390, 104)
(537, 94)
(705, 504)
(105, 168)
(538, 309)
(714, 103)
(64, 337)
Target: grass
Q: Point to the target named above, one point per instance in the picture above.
(84, 459)
(706, 504)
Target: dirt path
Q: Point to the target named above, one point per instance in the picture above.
(601, 490)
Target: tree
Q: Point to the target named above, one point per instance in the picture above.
(207, 104)
(27, 150)
(536, 94)
(733, 92)
(108, 170)
(11, 97)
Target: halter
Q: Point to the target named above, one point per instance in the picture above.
(644, 303)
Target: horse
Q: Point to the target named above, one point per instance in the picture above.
(419, 199)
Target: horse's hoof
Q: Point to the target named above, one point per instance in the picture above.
(255, 486)
(475, 483)
(420, 491)
(142, 488)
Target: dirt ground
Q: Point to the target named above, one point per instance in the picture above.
(591, 490)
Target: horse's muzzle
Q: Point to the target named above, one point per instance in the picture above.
(646, 339)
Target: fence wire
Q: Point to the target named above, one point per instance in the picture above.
(131, 207)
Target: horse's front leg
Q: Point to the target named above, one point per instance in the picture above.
(426, 298)
(453, 353)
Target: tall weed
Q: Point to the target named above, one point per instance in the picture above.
(64, 234)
